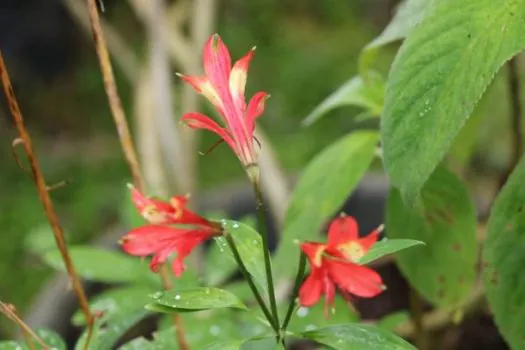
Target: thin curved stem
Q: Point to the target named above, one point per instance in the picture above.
(248, 278)
(297, 285)
(263, 228)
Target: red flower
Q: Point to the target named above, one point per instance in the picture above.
(334, 264)
(224, 86)
(158, 238)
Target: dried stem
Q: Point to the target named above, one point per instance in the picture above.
(113, 96)
(43, 193)
(177, 320)
(516, 112)
(10, 312)
(123, 131)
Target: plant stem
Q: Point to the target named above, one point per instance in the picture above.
(123, 130)
(177, 320)
(10, 312)
(244, 271)
(263, 228)
(43, 193)
(297, 285)
(516, 124)
(416, 311)
(113, 97)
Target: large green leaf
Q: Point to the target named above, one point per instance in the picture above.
(368, 94)
(50, 338)
(322, 189)
(224, 345)
(408, 15)
(386, 247)
(102, 265)
(197, 299)
(10, 345)
(358, 336)
(249, 245)
(438, 77)
(443, 271)
(117, 301)
(504, 259)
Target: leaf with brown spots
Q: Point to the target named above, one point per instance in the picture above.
(447, 224)
(504, 259)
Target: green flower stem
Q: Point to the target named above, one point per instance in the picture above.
(263, 229)
(297, 285)
(260, 301)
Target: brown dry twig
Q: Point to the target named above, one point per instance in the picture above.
(10, 312)
(113, 97)
(43, 193)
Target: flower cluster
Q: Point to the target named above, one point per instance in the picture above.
(164, 233)
(336, 264)
(174, 228)
(224, 85)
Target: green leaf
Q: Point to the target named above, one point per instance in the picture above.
(386, 247)
(10, 345)
(367, 94)
(392, 321)
(408, 15)
(308, 319)
(504, 259)
(249, 245)
(197, 299)
(224, 345)
(116, 301)
(358, 336)
(438, 77)
(444, 270)
(96, 264)
(322, 189)
(220, 265)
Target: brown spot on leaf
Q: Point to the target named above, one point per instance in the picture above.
(494, 278)
(509, 226)
(456, 247)
(461, 279)
(441, 293)
(441, 279)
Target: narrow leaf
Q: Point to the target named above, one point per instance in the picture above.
(322, 189)
(437, 79)
(443, 271)
(224, 345)
(409, 13)
(386, 247)
(367, 94)
(197, 299)
(358, 336)
(504, 259)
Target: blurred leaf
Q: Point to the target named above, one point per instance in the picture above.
(40, 239)
(322, 189)
(116, 301)
(11, 345)
(393, 320)
(439, 75)
(504, 260)
(386, 247)
(368, 94)
(96, 264)
(444, 270)
(307, 319)
(138, 344)
(50, 338)
(249, 245)
(465, 143)
(358, 336)
(197, 299)
(224, 345)
(408, 15)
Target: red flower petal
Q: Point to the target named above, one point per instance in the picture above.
(217, 64)
(153, 210)
(204, 86)
(314, 252)
(312, 288)
(149, 239)
(255, 109)
(237, 80)
(186, 247)
(342, 230)
(370, 239)
(200, 121)
(356, 279)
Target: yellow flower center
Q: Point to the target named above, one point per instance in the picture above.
(151, 214)
(352, 251)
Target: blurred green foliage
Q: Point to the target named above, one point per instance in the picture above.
(305, 50)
